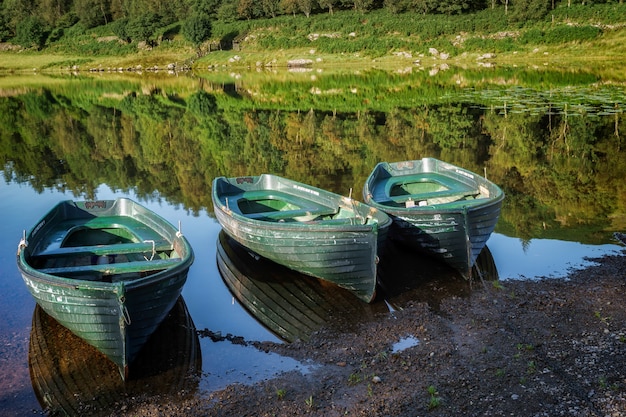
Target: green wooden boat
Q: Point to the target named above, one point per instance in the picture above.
(438, 208)
(304, 228)
(109, 271)
(71, 378)
(289, 304)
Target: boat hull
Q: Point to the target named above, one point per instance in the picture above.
(452, 222)
(116, 313)
(291, 305)
(70, 377)
(342, 248)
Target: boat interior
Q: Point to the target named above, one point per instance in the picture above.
(423, 189)
(279, 206)
(103, 249)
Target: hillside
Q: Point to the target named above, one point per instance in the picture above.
(576, 36)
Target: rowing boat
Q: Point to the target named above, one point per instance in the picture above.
(307, 229)
(109, 271)
(441, 209)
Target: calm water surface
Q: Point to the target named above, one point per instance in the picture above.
(210, 304)
(223, 344)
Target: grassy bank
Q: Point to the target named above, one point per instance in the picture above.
(577, 36)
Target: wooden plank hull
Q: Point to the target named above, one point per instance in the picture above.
(115, 306)
(450, 217)
(316, 232)
(70, 377)
(289, 304)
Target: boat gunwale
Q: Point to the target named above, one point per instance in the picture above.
(180, 264)
(458, 206)
(326, 225)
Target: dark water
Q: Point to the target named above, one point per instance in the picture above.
(562, 171)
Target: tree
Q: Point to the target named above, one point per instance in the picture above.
(289, 6)
(31, 33)
(92, 13)
(5, 30)
(197, 29)
(206, 7)
(327, 4)
(51, 11)
(248, 9)
(270, 7)
(143, 27)
(305, 6)
(525, 10)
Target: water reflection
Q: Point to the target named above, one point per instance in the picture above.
(408, 277)
(289, 304)
(70, 377)
(162, 141)
(293, 306)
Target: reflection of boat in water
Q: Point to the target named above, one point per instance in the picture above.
(290, 304)
(409, 276)
(71, 377)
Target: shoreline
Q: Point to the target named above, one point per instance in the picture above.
(525, 348)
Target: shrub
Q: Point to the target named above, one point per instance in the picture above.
(561, 34)
(143, 27)
(31, 32)
(532, 36)
(197, 29)
(119, 29)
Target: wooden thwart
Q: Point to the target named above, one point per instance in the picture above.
(112, 269)
(117, 249)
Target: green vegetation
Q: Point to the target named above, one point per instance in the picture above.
(330, 32)
(434, 400)
(557, 150)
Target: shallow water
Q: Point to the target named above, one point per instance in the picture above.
(225, 329)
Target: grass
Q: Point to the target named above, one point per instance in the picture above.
(435, 399)
(20, 61)
(277, 41)
(280, 393)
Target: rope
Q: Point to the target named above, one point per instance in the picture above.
(153, 249)
(125, 314)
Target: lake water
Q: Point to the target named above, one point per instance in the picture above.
(161, 145)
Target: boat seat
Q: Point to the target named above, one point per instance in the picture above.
(55, 239)
(454, 190)
(116, 249)
(306, 208)
(290, 214)
(435, 197)
(112, 269)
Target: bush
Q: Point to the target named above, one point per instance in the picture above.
(119, 29)
(143, 27)
(31, 32)
(561, 34)
(532, 36)
(197, 29)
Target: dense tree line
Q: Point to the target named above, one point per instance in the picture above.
(34, 22)
(556, 166)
